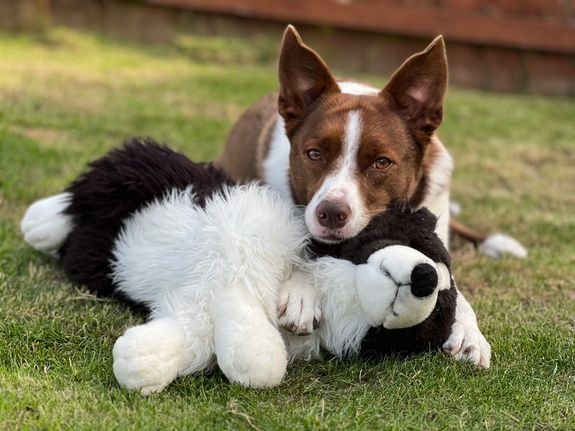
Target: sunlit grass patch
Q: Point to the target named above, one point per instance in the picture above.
(69, 97)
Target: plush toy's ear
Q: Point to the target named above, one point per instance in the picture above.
(418, 88)
(376, 292)
(303, 76)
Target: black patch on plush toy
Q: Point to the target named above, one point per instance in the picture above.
(423, 278)
(401, 225)
(116, 186)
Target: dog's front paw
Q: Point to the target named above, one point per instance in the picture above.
(148, 357)
(467, 343)
(299, 305)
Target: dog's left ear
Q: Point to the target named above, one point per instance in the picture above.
(418, 88)
(303, 77)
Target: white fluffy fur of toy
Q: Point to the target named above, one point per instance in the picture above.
(214, 276)
(211, 277)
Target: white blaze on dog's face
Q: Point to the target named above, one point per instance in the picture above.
(337, 209)
(354, 149)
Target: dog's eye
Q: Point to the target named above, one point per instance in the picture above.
(314, 154)
(382, 163)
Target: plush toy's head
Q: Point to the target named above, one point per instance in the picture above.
(398, 286)
(403, 280)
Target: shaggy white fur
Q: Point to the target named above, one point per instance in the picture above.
(215, 273)
(214, 277)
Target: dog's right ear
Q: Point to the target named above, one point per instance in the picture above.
(303, 76)
(418, 88)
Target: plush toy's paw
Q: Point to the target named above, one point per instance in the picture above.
(299, 305)
(148, 357)
(44, 225)
(251, 354)
(467, 343)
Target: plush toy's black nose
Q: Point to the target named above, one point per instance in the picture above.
(423, 280)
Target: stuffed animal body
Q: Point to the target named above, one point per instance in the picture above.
(209, 259)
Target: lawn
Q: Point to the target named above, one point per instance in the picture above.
(68, 97)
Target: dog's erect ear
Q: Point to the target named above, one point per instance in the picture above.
(418, 87)
(303, 76)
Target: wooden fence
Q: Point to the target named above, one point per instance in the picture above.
(547, 25)
(498, 45)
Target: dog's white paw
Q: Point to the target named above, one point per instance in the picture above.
(299, 305)
(148, 357)
(498, 244)
(455, 209)
(254, 355)
(45, 226)
(467, 343)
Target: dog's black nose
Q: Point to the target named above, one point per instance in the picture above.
(423, 280)
(333, 215)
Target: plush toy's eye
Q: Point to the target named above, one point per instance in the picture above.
(314, 154)
(382, 163)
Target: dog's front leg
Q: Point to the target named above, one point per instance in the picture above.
(249, 347)
(466, 342)
(299, 305)
(344, 323)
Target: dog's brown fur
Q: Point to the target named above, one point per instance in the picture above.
(248, 141)
(399, 126)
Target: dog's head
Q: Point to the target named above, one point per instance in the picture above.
(353, 149)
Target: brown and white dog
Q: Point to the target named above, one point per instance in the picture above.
(344, 151)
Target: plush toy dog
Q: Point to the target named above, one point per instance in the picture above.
(207, 258)
(403, 285)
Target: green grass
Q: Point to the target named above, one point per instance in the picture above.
(66, 99)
